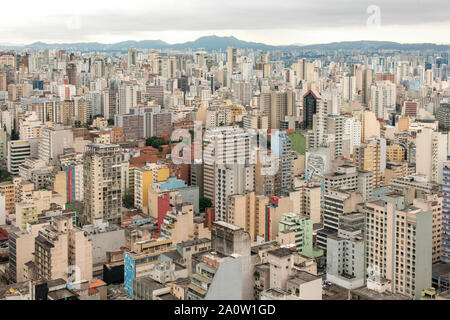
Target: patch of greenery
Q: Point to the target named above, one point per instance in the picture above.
(204, 203)
(155, 142)
(128, 199)
(298, 142)
(5, 175)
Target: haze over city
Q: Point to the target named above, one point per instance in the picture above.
(174, 21)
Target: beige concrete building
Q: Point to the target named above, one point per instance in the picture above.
(395, 170)
(63, 251)
(399, 244)
(431, 153)
(248, 212)
(370, 126)
(433, 203)
(178, 225)
(306, 199)
(297, 164)
(277, 206)
(21, 250)
(403, 124)
(276, 105)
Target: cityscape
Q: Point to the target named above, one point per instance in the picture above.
(218, 167)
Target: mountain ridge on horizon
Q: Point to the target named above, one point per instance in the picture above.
(214, 42)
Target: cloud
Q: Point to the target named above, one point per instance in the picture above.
(127, 18)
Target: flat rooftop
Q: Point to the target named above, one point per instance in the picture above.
(441, 270)
(368, 294)
(302, 277)
(281, 252)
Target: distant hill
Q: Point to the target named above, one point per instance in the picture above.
(213, 42)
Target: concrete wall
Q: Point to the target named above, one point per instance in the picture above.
(227, 283)
(106, 241)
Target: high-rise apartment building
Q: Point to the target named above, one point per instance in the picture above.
(132, 57)
(345, 258)
(281, 148)
(302, 226)
(336, 203)
(371, 156)
(18, 151)
(102, 176)
(276, 105)
(63, 251)
(248, 212)
(72, 75)
(383, 94)
(399, 244)
(222, 145)
(230, 180)
(53, 142)
(144, 122)
(431, 153)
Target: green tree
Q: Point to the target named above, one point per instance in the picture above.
(128, 199)
(204, 203)
(155, 142)
(5, 175)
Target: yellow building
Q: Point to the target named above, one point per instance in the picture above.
(370, 126)
(235, 111)
(369, 156)
(395, 152)
(60, 185)
(143, 179)
(8, 189)
(26, 212)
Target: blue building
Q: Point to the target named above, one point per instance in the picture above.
(445, 252)
(142, 258)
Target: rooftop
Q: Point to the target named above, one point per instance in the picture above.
(302, 277)
(374, 295)
(149, 283)
(281, 252)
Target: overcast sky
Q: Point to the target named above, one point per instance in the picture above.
(270, 21)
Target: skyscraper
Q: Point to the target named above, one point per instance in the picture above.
(72, 73)
(276, 105)
(399, 244)
(431, 153)
(102, 176)
(132, 57)
(310, 101)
